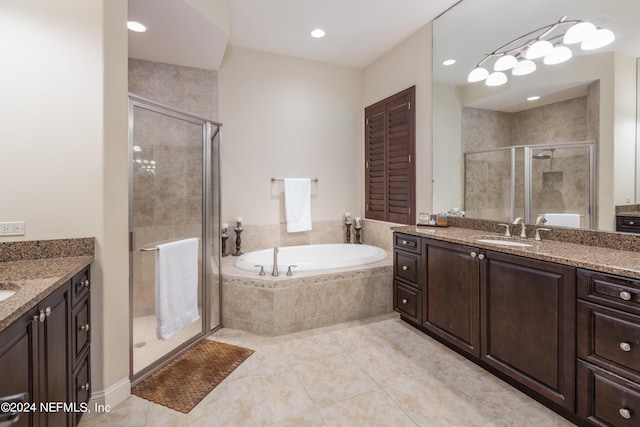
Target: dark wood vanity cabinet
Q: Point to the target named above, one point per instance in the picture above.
(528, 323)
(451, 306)
(37, 357)
(608, 349)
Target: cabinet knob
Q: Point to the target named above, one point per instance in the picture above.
(405, 268)
(632, 223)
(47, 311)
(625, 346)
(85, 328)
(42, 316)
(625, 295)
(404, 242)
(84, 387)
(481, 256)
(473, 254)
(85, 283)
(404, 300)
(625, 413)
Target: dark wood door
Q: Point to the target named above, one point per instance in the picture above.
(18, 355)
(55, 361)
(528, 323)
(451, 301)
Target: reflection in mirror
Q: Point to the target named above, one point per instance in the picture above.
(590, 97)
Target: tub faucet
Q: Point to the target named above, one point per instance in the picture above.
(523, 230)
(275, 262)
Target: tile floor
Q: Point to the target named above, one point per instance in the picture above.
(376, 372)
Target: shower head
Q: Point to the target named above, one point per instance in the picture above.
(542, 156)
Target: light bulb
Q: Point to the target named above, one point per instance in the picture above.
(558, 55)
(538, 49)
(136, 26)
(505, 62)
(600, 38)
(496, 79)
(477, 74)
(579, 32)
(524, 67)
(318, 33)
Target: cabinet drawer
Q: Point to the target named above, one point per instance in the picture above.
(609, 338)
(407, 242)
(407, 301)
(607, 400)
(81, 328)
(80, 284)
(406, 266)
(629, 224)
(609, 290)
(82, 383)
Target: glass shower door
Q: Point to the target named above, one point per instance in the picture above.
(170, 174)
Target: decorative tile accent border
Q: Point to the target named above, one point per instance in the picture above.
(35, 249)
(603, 239)
(630, 210)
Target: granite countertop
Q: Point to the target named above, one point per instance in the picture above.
(34, 280)
(613, 261)
(36, 268)
(629, 213)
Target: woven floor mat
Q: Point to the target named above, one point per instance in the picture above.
(185, 381)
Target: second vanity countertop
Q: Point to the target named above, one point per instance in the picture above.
(612, 261)
(33, 280)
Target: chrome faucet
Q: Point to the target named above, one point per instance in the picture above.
(523, 230)
(274, 272)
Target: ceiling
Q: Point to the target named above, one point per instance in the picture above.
(358, 31)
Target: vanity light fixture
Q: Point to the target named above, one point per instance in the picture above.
(136, 26)
(519, 54)
(318, 33)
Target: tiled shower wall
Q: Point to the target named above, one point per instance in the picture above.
(168, 201)
(562, 181)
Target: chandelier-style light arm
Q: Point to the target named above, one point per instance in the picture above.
(546, 30)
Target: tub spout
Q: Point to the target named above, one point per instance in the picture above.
(275, 262)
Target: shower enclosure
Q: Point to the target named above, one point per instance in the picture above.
(526, 181)
(174, 194)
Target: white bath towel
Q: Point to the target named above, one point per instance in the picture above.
(563, 219)
(297, 204)
(176, 286)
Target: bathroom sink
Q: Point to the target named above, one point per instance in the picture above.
(7, 290)
(504, 243)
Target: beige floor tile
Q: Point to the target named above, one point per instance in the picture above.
(374, 409)
(530, 415)
(308, 419)
(430, 403)
(130, 413)
(333, 379)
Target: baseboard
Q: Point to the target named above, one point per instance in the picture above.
(111, 396)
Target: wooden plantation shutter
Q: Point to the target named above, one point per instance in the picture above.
(389, 156)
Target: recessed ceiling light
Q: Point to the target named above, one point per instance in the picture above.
(136, 26)
(449, 62)
(317, 33)
(533, 98)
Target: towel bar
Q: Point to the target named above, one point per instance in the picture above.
(282, 179)
(152, 249)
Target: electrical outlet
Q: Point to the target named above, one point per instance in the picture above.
(14, 228)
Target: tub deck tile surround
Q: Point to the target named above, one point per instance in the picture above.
(36, 269)
(268, 305)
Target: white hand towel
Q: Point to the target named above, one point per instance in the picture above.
(563, 219)
(176, 286)
(297, 204)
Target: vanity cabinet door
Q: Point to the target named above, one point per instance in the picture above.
(18, 348)
(55, 352)
(528, 323)
(451, 294)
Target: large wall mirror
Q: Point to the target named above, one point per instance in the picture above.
(559, 140)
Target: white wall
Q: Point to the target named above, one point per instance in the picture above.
(406, 65)
(63, 165)
(288, 117)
